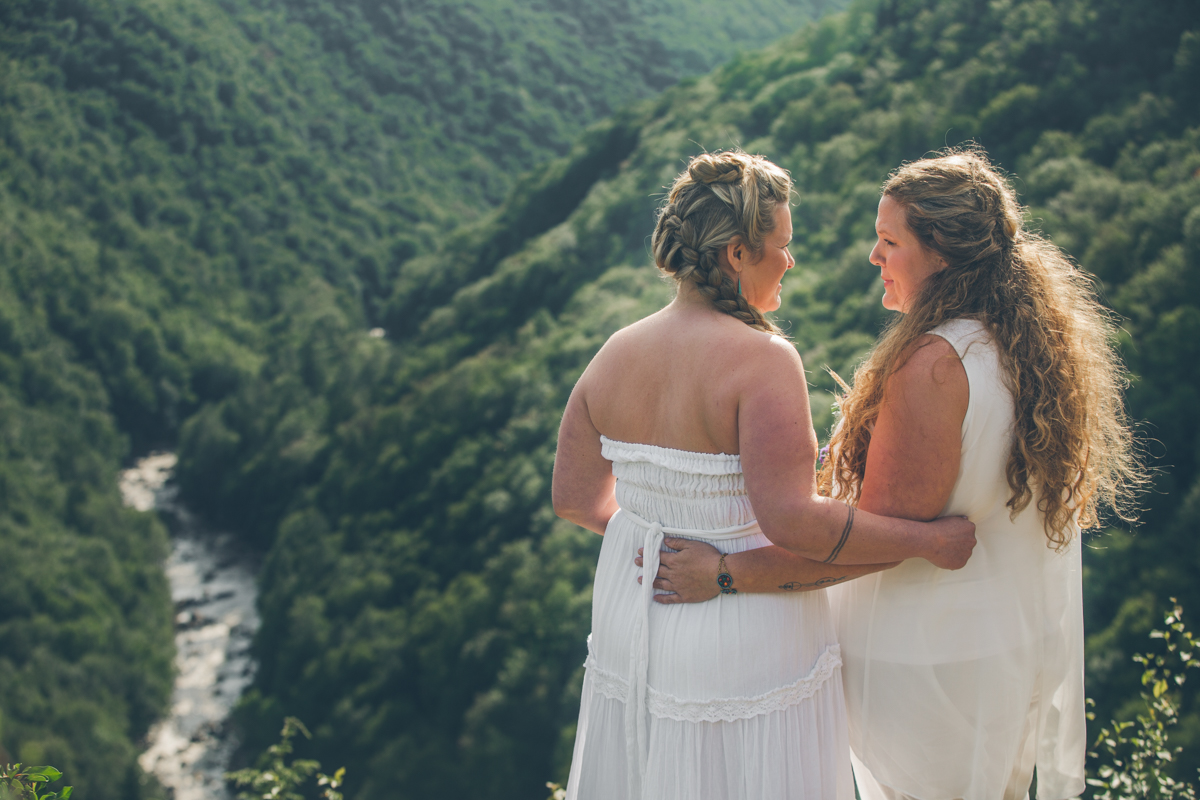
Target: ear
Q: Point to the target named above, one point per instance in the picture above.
(737, 253)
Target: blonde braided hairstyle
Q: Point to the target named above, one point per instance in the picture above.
(720, 196)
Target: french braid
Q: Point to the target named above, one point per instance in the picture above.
(721, 195)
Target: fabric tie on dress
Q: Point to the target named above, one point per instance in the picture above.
(637, 735)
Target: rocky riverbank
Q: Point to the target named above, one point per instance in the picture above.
(214, 592)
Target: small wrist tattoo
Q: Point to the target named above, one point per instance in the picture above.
(724, 579)
(837, 550)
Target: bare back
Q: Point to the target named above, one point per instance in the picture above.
(688, 378)
(674, 379)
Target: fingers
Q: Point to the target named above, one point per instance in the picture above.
(664, 562)
(660, 583)
(665, 585)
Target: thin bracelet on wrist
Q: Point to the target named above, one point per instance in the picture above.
(724, 579)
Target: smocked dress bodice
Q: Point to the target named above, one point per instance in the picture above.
(681, 489)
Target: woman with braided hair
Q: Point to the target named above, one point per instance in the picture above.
(694, 423)
(995, 393)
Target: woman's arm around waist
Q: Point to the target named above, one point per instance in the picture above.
(691, 573)
(912, 466)
(778, 448)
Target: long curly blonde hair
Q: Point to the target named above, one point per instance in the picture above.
(1072, 445)
(719, 196)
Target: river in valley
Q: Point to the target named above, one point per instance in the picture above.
(214, 591)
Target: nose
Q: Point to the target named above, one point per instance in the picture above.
(875, 257)
(791, 261)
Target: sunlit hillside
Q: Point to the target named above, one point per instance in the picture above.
(184, 184)
(423, 609)
(205, 205)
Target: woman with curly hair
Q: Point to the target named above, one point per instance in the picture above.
(694, 423)
(996, 394)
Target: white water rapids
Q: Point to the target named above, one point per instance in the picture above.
(213, 588)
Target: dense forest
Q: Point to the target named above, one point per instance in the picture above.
(189, 191)
(205, 210)
(424, 611)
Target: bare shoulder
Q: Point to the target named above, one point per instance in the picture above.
(932, 358)
(768, 360)
(931, 373)
(637, 334)
(619, 347)
(779, 352)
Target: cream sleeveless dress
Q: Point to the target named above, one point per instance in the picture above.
(738, 698)
(959, 683)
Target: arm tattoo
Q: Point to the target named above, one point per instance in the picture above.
(845, 535)
(795, 586)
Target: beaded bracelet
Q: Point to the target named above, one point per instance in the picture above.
(724, 579)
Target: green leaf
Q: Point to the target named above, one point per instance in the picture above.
(46, 773)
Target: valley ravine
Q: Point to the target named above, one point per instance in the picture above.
(214, 592)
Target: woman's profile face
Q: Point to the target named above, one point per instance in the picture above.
(762, 277)
(904, 263)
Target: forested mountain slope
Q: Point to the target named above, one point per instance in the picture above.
(424, 611)
(183, 184)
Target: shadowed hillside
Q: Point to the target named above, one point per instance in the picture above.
(422, 607)
(189, 191)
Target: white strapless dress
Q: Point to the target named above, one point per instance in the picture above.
(739, 698)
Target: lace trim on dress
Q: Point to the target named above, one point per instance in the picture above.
(670, 458)
(664, 706)
(729, 709)
(609, 684)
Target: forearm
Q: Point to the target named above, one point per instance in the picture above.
(832, 533)
(773, 569)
